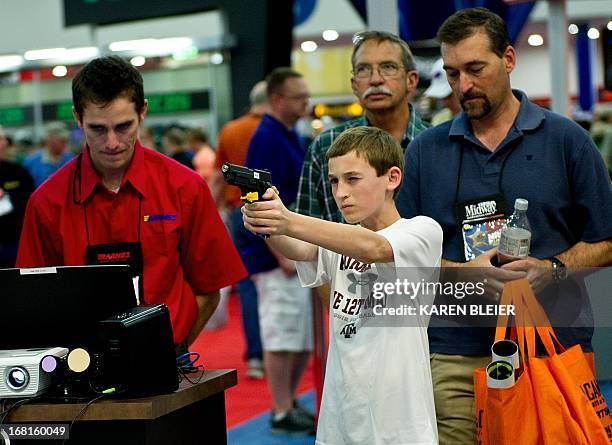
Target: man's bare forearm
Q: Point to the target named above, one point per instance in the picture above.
(207, 303)
(584, 254)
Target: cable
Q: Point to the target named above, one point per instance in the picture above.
(95, 399)
(189, 362)
(183, 374)
(5, 413)
(116, 390)
(186, 364)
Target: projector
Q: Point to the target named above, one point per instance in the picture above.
(21, 374)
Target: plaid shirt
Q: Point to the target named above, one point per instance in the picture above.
(314, 194)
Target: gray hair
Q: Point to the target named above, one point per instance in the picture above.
(383, 36)
(259, 94)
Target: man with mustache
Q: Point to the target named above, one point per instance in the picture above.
(501, 147)
(384, 76)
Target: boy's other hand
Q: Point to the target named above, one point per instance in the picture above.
(269, 216)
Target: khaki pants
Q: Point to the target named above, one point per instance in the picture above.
(453, 384)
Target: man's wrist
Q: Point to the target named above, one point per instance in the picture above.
(559, 271)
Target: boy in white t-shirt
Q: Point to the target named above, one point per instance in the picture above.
(378, 387)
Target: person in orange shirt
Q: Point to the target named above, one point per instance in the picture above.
(232, 145)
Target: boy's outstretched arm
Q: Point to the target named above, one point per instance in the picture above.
(291, 248)
(286, 229)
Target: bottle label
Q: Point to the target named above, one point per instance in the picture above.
(514, 242)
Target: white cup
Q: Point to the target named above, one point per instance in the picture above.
(506, 351)
(500, 374)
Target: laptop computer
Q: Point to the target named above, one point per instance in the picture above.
(61, 306)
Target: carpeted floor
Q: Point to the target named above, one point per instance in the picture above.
(223, 348)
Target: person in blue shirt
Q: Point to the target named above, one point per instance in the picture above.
(285, 313)
(44, 162)
(501, 147)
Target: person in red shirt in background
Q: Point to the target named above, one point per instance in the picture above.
(232, 144)
(120, 197)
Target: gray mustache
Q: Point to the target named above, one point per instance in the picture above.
(377, 90)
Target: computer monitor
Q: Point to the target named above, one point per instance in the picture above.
(61, 306)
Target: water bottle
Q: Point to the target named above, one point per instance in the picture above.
(515, 238)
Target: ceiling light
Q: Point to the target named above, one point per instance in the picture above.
(216, 58)
(132, 45)
(10, 62)
(610, 25)
(138, 61)
(84, 52)
(59, 71)
(572, 28)
(593, 33)
(535, 40)
(330, 35)
(190, 52)
(157, 46)
(40, 54)
(173, 44)
(67, 55)
(308, 46)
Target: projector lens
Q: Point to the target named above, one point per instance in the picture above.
(17, 378)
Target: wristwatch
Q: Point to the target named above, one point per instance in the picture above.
(559, 271)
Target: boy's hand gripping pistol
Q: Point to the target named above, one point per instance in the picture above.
(253, 183)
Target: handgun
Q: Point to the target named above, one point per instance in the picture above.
(253, 183)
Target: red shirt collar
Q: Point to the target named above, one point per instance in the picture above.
(135, 173)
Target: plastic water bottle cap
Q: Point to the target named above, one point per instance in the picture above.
(521, 204)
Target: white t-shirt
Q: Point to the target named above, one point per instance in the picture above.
(378, 387)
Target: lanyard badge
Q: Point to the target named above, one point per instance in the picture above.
(480, 222)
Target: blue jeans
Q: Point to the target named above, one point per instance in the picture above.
(248, 294)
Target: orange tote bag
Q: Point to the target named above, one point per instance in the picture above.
(569, 384)
(555, 400)
(508, 415)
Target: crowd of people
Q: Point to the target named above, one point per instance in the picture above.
(370, 197)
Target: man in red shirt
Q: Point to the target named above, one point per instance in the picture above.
(122, 202)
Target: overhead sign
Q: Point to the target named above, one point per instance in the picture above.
(166, 103)
(16, 116)
(105, 12)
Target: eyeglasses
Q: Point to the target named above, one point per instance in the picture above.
(385, 69)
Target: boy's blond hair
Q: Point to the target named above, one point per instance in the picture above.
(376, 146)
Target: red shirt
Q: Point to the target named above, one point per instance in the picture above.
(186, 248)
(232, 145)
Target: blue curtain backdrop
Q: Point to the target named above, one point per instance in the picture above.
(418, 20)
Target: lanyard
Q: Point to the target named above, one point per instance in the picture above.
(78, 177)
(499, 180)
